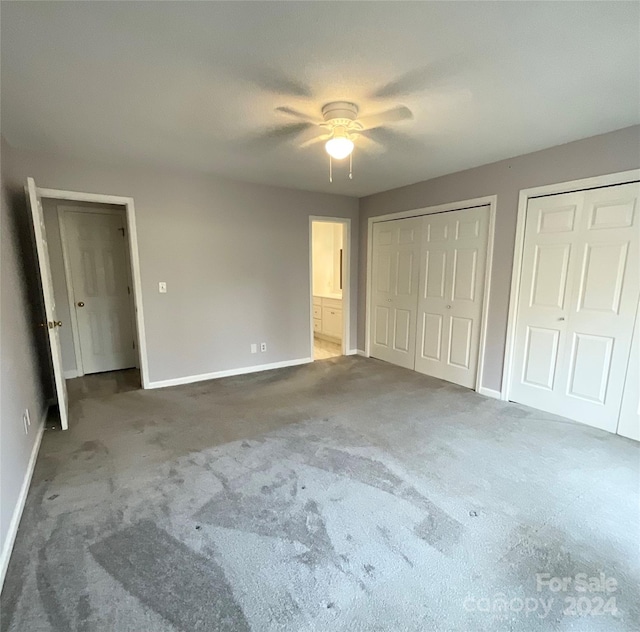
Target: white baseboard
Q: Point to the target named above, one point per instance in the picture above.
(190, 379)
(489, 392)
(69, 375)
(7, 546)
(351, 352)
(360, 352)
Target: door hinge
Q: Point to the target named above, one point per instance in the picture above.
(122, 229)
(128, 290)
(133, 344)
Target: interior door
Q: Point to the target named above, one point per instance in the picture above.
(577, 305)
(95, 244)
(52, 323)
(394, 290)
(453, 261)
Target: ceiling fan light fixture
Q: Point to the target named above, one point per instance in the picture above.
(339, 146)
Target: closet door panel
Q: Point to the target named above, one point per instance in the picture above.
(453, 260)
(394, 296)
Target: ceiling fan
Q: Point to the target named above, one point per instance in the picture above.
(340, 129)
(340, 119)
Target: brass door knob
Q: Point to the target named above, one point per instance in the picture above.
(80, 304)
(57, 323)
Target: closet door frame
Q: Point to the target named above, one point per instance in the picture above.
(490, 201)
(623, 177)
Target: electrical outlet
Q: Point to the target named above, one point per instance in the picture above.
(254, 347)
(263, 346)
(162, 287)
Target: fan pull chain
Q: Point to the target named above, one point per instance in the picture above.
(330, 170)
(351, 166)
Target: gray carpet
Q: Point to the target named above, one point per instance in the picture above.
(344, 495)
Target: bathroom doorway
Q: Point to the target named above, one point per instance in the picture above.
(329, 291)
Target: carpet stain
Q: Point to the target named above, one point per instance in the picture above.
(386, 536)
(47, 592)
(94, 446)
(277, 517)
(187, 589)
(438, 529)
(84, 614)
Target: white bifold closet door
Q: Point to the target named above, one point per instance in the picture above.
(394, 289)
(577, 304)
(629, 422)
(452, 272)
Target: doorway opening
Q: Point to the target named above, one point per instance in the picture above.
(87, 252)
(329, 240)
(93, 286)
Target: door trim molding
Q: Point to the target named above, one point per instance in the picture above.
(571, 186)
(346, 280)
(134, 260)
(489, 200)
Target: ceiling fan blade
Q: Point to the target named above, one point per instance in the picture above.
(314, 140)
(273, 81)
(276, 135)
(394, 140)
(394, 115)
(363, 141)
(420, 79)
(297, 114)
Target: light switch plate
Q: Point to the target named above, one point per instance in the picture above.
(162, 287)
(254, 348)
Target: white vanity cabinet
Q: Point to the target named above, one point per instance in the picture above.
(327, 317)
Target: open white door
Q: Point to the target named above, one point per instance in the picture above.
(52, 322)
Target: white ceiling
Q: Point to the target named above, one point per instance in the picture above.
(194, 85)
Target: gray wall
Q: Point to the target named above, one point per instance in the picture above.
(20, 349)
(607, 153)
(235, 257)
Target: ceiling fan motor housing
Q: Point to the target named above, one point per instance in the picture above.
(340, 113)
